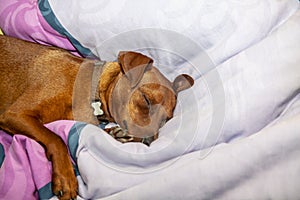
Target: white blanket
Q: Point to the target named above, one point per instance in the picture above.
(173, 32)
(235, 135)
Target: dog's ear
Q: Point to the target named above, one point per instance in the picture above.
(182, 82)
(134, 65)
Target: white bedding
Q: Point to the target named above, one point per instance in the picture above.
(235, 134)
(172, 31)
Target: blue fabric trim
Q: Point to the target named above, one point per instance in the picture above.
(74, 137)
(2, 154)
(50, 17)
(46, 192)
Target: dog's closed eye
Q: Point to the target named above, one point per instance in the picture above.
(141, 104)
(146, 99)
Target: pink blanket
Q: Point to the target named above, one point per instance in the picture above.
(25, 172)
(23, 19)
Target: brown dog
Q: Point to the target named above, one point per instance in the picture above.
(42, 84)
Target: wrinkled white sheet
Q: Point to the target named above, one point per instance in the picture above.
(235, 135)
(172, 31)
(263, 166)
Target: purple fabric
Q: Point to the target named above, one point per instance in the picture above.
(25, 168)
(23, 19)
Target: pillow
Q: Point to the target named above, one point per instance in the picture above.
(173, 32)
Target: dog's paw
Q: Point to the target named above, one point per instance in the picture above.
(64, 182)
(65, 187)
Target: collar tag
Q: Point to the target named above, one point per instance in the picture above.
(97, 108)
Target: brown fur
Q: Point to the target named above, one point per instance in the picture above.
(42, 84)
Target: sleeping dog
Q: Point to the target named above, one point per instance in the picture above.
(41, 84)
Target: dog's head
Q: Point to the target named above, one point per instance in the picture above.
(141, 99)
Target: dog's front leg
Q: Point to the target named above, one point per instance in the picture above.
(64, 183)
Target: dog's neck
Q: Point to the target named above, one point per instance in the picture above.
(109, 75)
(84, 91)
(97, 72)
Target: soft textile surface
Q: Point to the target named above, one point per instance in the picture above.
(261, 86)
(25, 172)
(234, 135)
(243, 141)
(160, 28)
(264, 166)
(23, 19)
(222, 28)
